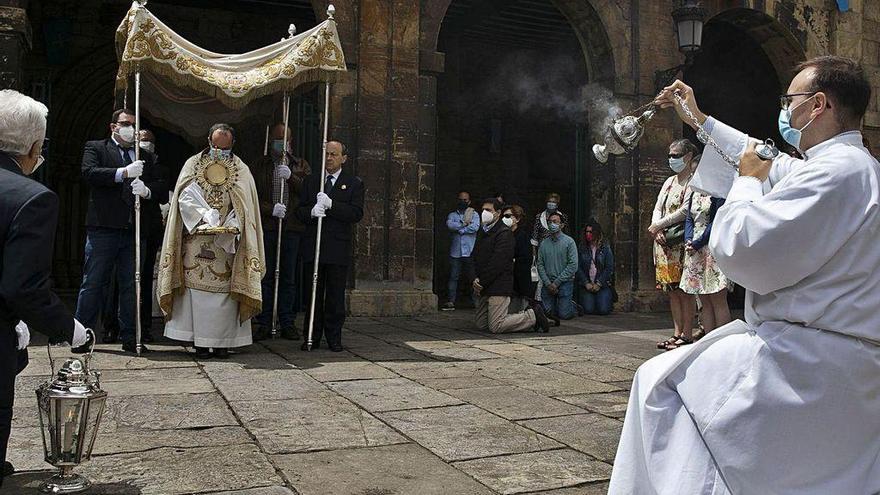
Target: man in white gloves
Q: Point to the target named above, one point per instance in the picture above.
(28, 218)
(275, 169)
(114, 177)
(212, 257)
(341, 205)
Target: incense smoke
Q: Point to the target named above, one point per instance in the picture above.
(533, 85)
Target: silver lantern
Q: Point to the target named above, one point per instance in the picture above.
(70, 406)
(623, 135)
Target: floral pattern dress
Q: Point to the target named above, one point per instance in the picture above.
(700, 274)
(668, 260)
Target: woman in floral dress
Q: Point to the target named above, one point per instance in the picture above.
(701, 275)
(668, 218)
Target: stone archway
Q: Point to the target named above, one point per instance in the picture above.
(510, 105)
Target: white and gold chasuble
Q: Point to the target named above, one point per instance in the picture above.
(209, 284)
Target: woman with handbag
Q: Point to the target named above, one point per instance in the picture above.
(667, 230)
(523, 262)
(701, 275)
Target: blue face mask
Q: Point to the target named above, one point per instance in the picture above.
(791, 135)
(551, 206)
(677, 164)
(278, 146)
(553, 227)
(219, 154)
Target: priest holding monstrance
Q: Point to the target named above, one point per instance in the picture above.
(212, 255)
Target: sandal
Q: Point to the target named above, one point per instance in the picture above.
(681, 341)
(664, 343)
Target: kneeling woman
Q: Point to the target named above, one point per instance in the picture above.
(595, 270)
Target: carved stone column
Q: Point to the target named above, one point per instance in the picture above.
(15, 40)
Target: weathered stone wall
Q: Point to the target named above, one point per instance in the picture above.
(385, 109)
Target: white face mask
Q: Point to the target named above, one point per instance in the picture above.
(508, 221)
(146, 145)
(126, 134)
(487, 217)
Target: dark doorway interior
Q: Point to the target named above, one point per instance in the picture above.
(509, 108)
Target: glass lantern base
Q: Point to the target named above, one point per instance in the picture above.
(71, 483)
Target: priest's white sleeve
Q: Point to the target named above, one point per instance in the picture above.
(715, 177)
(193, 206)
(766, 242)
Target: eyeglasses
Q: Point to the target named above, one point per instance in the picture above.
(677, 155)
(785, 100)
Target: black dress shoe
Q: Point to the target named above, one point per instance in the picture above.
(132, 348)
(221, 353)
(336, 348)
(147, 337)
(542, 323)
(8, 469)
(111, 336)
(202, 352)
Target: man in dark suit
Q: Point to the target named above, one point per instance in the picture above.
(28, 218)
(151, 243)
(114, 177)
(341, 206)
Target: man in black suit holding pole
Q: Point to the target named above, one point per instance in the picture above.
(341, 205)
(114, 177)
(28, 218)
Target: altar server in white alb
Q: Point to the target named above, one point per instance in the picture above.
(787, 402)
(212, 254)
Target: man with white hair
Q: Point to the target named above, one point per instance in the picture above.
(28, 216)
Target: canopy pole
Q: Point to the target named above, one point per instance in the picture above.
(320, 219)
(266, 143)
(137, 215)
(285, 162)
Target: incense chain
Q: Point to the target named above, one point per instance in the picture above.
(704, 136)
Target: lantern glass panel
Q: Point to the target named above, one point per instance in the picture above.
(67, 421)
(96, 409)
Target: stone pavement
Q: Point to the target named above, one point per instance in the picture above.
(413, 406)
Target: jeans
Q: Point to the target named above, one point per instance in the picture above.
(106, 248)
(560, 304)
(596, 303)
(287, 292)
(455, 269)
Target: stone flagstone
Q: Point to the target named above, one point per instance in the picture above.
(392, 395)
(395, 469)
(465, 432)
(535, 471)
(514, 403)
(592, 434)
(301, 425)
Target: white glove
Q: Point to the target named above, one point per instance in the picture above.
(212, 217)
(138, 188)
(325, 201)
(284, 172)
(279, 211)
(318, 211)
(136, 169)
(80, 337)
(24, 335)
